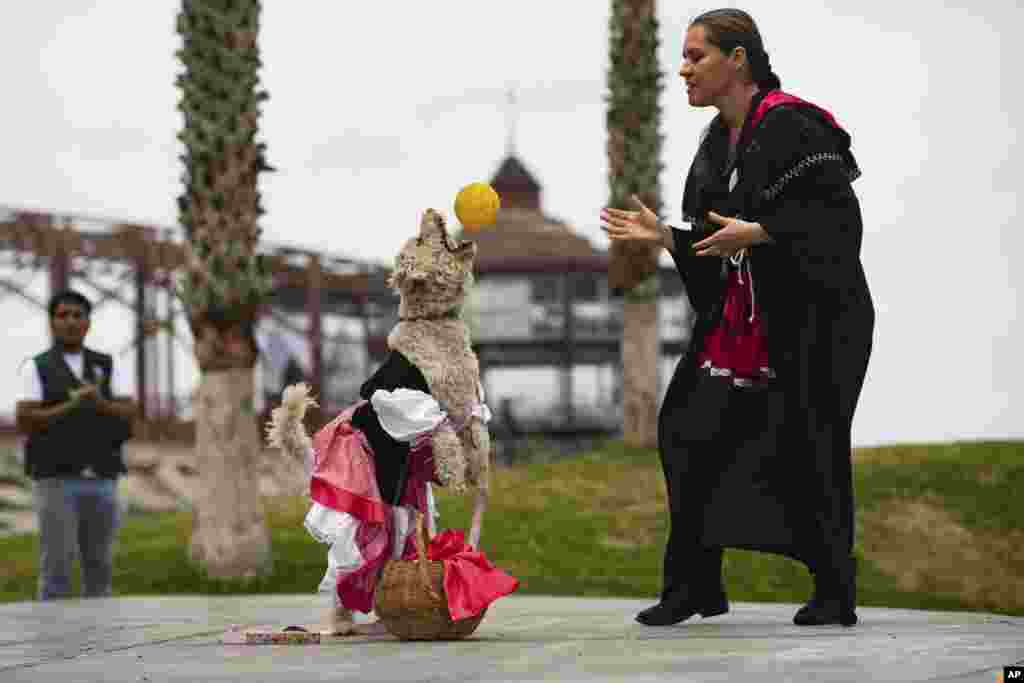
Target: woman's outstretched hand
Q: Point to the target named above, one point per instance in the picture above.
(734, 235)
(634, 226)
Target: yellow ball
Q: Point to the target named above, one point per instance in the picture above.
(477, 205)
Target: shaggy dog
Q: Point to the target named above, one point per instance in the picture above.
(431, 276)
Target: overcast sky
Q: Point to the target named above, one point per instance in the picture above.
(378, 110)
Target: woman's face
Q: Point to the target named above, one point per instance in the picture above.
(709, 73)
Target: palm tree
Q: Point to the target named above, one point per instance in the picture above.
(225, 278)
(634, 166)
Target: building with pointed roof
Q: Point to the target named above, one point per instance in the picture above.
(524, 239)
(516, 185)
(542, 301)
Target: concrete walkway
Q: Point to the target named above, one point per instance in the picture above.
(522, 639)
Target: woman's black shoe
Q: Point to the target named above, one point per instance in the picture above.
(668, 612)
(825, 612)
(834, 599)
(804, 613)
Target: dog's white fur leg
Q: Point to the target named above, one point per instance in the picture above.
(431, 512)
(403, 526)
(337, 620)
(479, 505)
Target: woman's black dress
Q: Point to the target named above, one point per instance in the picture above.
(767, 467)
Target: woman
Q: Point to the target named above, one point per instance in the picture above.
(754, 430)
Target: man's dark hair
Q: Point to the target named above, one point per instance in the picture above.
(69, 296)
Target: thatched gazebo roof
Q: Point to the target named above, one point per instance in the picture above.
(524, 239)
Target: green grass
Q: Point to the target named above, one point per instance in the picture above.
(938, 529)
(11, 469)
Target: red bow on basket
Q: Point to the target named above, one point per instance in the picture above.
(471, 582)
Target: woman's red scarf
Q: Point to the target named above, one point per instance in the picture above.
(774, 98)
(736, 347)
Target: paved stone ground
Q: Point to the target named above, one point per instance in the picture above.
(523, 638)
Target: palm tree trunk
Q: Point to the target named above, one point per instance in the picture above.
(225, 279)
(640, 373)
(229, 536)
(634, 148)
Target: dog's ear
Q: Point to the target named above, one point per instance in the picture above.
(432, 223)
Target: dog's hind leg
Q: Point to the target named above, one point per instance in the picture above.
(479, 505)
(431, 513)
(337, 620)
(479, 451)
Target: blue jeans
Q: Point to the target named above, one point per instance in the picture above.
(77, 517)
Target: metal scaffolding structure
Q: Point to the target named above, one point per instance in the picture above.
(133, 268)
(327, 318)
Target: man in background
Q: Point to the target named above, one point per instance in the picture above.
(73, 409)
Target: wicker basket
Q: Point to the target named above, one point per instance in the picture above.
(410, 599)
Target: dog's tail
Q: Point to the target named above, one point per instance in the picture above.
(285, 429)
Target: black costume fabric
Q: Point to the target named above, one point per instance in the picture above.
(390, 455)
(768, 467)
(85, 436)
